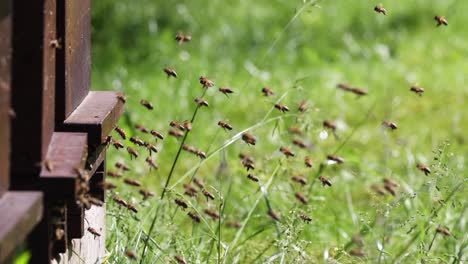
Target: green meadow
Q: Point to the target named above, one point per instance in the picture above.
(380, 207)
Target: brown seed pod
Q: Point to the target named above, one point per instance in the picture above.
(389, 125)
(181, 38)
(380, 9)
(194, 217)
(94, 232)
(208, 194)
(249, 138)
(181, 203)
(267, 91)
(252, 177)
(325, 181)
(423, 168)
(441, 21)
(281, 107)
(146, 104)
(146, 193)
(132, 182)
(299, 179)
(224, 125)
(205, 82)
(417, 90)
(130, 254)
(274, 215)
(226, 91)
(212, 213)
(201, 102)
(170, 72)
(120, 165)
(132, 152)
(301, 197)
(157, 134)
(335, 158)
(287, 152)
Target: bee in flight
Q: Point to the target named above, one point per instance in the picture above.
(287, 152)
(283, 108)
(325, 181)
(249, 138)
(205, 82)
(417, 90)
(441, 21)
(390, 125)
(224, 125)
(146, 104)
(226, 91)
(267, 91)
(380, 9)
(181, 38)
(170, 72)
(201, 102)
(423, 168)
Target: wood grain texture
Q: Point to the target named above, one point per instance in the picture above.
(20, 212)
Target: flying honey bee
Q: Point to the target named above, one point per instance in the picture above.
(108, 140)
(130, 254)
(233, 224)
(388, 181)
(423, 168)
(94, 232)
(299, 179)
(301, 198)
(177, 125)
(181, 203)
(132, 208)
(357, 252)
(120, 165)
(176, 133)
(137, 141)
(274, 215)
(305, 218)
(200, 154)
(390, 125)
(114, 174)
(55, 43)
(170, 72)
(281, 107)
(358, 91)
(132, 152)
(380, 9)
(156, 134)
(249, 165)
(249, 138)
(302, 107)
(443, 231)
(59, 233)
(441, 21)
(187, 125)
(226, 91)
(329, 125)
(146, 193)
(82, 174)
(121, 132)
(308, 162)
(390, 188)
(181, 38)
(188, 148)
(208, 194)
(211, 213)
(287, 152)
(120, 201)
(378, 189)
(335, 158)
(190, 190)
(151, 148)
(325, 181)
(201, 102)
(151, 163)
(117, 144)
(224, 125)
(194, 217)
(199, 183)
(295, 131)
(344, 86)
(141, 128)
(205, 82)
(417, 90)
(121, 97)
(132, 182)
(107, 185)
(146, 104)
(253, 177)
(180, 259)
(267, 91)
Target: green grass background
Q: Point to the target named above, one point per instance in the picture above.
(300, 51)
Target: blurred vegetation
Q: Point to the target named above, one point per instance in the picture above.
(301, 51)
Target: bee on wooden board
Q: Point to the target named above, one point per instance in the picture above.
(156, 134)
(94, 232)
(281, 107)
(181, 38)
(83, 202)
(180, 259)
(130, 254)
(82, 174)
(301, 198)
(380, 9)
(132, 152)
(48, 165)
(253, 177)
(302, 107)
(441, 21)
(325, 181)
(357, 252)
(224, 125)
(132, 182)
(121, 97)
(417, 90)
(211, 213)
(121, 132)
(423, 168)
(181, 203)
(107, 141)
(56, 43)
(287, 152)
(299, 179)
(267, 91)
(170, 72)
(146, 104)
(389, 125)
(249, 138)
(226, 91)
(274, 215)
(95, 201)
(146, 193)
(59, 233)
(201, 102)
(120, 165)
(205, 82)
(194, 217)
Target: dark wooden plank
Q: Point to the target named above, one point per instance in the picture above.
(74, 61)
(5, 32)
(97, 115)
(75, 220)
(67, 152)
(33, 86)
(20, 212)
